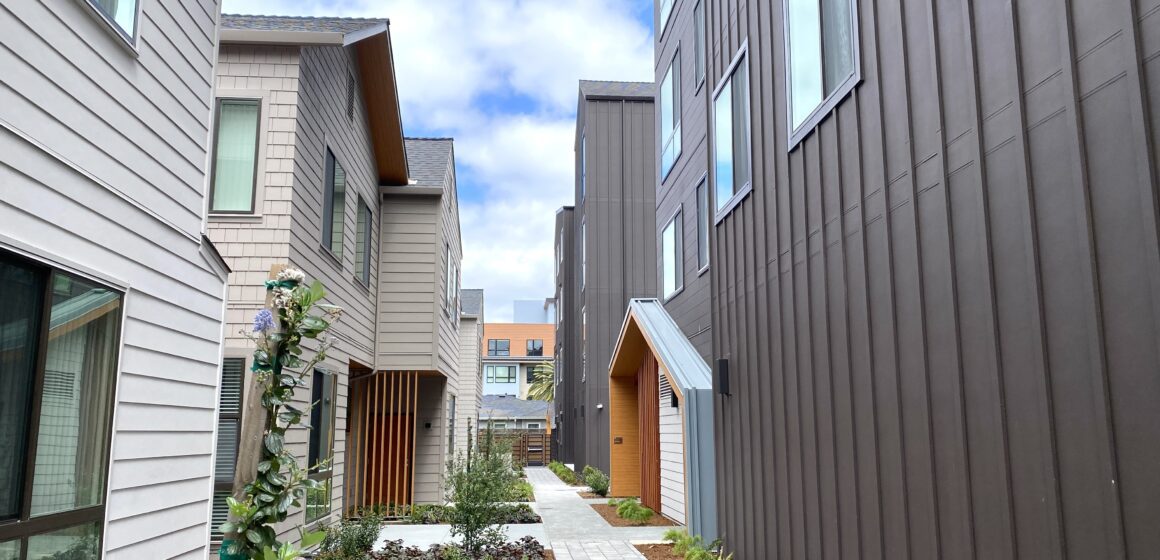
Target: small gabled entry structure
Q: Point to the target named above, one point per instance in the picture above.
(661, 415)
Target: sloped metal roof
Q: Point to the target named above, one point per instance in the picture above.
(669, 343)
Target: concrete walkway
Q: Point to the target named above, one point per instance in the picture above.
(575, 530)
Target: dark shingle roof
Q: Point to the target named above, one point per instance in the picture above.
(596, 88)
(471, 302)
(297, 23)
(428, 160)
(507, 406)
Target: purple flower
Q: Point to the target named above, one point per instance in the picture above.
(263, 321)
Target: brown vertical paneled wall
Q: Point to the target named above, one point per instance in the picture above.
(382, 443)
(648, 417)
(941, 309)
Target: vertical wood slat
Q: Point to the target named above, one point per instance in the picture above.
(648, 399)
(414, 432)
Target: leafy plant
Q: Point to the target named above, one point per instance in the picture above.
(522, 491)
(526, 548)
(563, 472)
(287, 551)
(351, 539)
(693, 547)
(279, 483)
(543, 387)
(596, 480)
(427, 514)
(478, 485)
(630, 509)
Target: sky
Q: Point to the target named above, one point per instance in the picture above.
(501, 78)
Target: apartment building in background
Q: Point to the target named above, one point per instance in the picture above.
(933, 272)
(111, 316)
(613, 252)
(311, 170)
(567, 333)
(511, 353)
(534, 310)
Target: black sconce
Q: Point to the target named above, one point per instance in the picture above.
(723, 376)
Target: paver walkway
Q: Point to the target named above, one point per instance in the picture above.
(575, 530)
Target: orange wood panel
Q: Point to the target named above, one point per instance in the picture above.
(648, 403)
(624, 471)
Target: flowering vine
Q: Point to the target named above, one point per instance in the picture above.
(280, 483)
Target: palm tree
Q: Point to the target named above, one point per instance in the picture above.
(543, 387)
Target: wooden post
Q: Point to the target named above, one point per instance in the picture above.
(253, 420)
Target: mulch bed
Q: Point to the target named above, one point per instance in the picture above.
(609, 514)
(548, 555)
(658, 551)
(589, 495)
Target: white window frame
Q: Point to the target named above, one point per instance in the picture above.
(704, 221)
(674, 137)
(839, 91)
(676, 222)
(722, 208)
(532, 426)
(666, 13)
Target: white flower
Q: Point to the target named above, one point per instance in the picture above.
(291, 274)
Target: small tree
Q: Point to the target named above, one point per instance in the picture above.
(279, 483)
(478, 485)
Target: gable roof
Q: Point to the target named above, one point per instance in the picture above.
(617, 90)
(647, 326)
(429, 160)
(371, 41)
(506, 406)
(471, 300)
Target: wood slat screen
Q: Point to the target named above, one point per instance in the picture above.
(382, 441)
(648, 399)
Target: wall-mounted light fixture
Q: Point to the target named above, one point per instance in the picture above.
(599, 406)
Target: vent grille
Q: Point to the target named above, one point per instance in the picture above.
(231, 399)
(350, 96)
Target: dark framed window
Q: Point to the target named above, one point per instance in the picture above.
(121, 15)
(699, 42)
(731, 173)
(320, 449)
(535, 347)
(583, 165)
(498, 347)
(531, 374)
(702, 225)
(672, 257)
(671, 115)
(363, 245)
(229, 434)
(501, 374)
(821, 59)
(666, 11)
(583, 253)
(334, 206)
(451, 425)
(233, 180)
(58, 371)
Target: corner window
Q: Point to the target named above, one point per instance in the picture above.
(820, 52)
(235, 156)
(334, 207)
(121, 14)
(583, 165)
(535, 347)
(362, 247)
(671, 115)
(666, 11)
(699, 41)
(731, 136)
(58, 370)
(320, 451)
(498, 347)
(702, 225)
(672, 258)
(229, 434)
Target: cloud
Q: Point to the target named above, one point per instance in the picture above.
(500, 76)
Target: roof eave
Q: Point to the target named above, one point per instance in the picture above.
(281, 37)
(380, 90)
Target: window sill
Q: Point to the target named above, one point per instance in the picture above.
(123, 39)
(673, 295)
(823, 110)
(733, 203)
(235, 218)
(334, 259)
(701, 271)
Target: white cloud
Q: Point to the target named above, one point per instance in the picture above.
(460, 63)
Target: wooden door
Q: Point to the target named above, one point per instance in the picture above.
(382, 442)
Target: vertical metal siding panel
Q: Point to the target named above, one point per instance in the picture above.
(820, 341)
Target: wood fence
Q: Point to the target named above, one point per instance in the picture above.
(529, 447)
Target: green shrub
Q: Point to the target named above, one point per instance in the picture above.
(522, 491)
(351, 539)
(693, 547)
(596, 480)
(478, 485)
(630, 509)
(427, 514)
(563, 472)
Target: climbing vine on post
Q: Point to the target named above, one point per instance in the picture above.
(279, 482)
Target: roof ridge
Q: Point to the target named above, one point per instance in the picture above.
(344, 18)
(429, 138)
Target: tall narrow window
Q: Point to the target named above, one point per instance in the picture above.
(583, 253)
(699, 40)
(451, 425)
(320, 449)
(702, 225)
(820, 48)
(334, 209)
(229, 434)
(58, 369)
(672, 257)
(448, 278)
(362, 248)
(121, 14)
(671, 115)
(731, 136)
(535, 347)
(583, 166)
(666, 10)
(235, 156)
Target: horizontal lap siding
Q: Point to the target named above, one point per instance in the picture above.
(672, 448)
(470, 383)
(430, 442)
(949, 292)
(408, 292)
(127, 207)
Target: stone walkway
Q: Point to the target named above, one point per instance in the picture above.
(575, 530)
